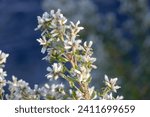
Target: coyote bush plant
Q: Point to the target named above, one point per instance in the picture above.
(69, 59)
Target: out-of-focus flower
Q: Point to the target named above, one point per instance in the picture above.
(110, 97)
(3, 57)
(58, 16)
(74, 44)
(44, 42)
(119, 97)
(53, 92)
(75, 28)
(55, 71)
(42, 20)
(83, 74)
(15, 83)
(111, 83)
(87, 47)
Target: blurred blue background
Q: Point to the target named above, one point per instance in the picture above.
(122, 30)
(18, 38)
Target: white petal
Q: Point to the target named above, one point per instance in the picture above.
(77, 71)
(49, 75)
(67, 47)
(72, 24)
(106, 78)
(78, 22)
(85, 43)
(90, 43)
(49, 69)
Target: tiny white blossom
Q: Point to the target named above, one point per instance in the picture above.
(17, 83)
(90, 60)
(44, 43)
(108, 97)
(53, 91)
(46, 16)
(42, 20)
(3, 57)
(79, 94)
(119, 97)
(111, 83)
(87, 47)
(58, 18)
(83, 74)
(75, 28)
(54, 71)
(72, 44)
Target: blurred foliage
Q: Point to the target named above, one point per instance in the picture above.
(128, 45)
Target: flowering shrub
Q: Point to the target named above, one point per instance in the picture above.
(69, 59)
(93, 22)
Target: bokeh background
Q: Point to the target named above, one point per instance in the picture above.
(120, 30)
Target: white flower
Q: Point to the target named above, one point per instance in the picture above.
(42, 20)
(44, 43)
(75, 28)
(53, 91)
(58, 21)
(83, 74)
(110, 97)
(46, 16)
(89, 60)
(15, 83)
(111, 83)
(58, 16)
(20, 90)
(119, 97)
(54, 71)
(78, 95)
(87, 47)
(72, 44)
(3, 57)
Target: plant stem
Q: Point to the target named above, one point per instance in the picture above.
(85, 90)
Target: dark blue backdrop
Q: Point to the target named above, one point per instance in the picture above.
(18, 38)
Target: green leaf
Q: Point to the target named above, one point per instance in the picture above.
(89, 80)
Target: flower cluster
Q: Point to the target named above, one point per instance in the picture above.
(69, 59)
(92, 21)
(20, 89)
